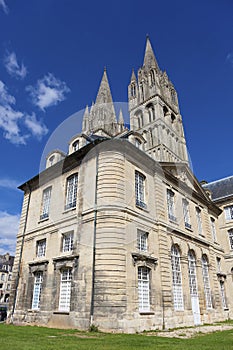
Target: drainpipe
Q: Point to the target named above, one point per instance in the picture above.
(94, 243)
(21, 253)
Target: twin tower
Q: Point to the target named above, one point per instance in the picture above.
(153, 109)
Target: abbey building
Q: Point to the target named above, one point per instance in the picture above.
(119, 233)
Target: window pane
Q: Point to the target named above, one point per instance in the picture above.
(177, 279)
(143, 289)
(45, 203)
(71, 191)
(37, 290)
(207, 291)
(67, 242)
(65, 289)
(140, 189)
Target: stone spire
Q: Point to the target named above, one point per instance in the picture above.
(85, 125)
(104, 94)
(121, 118)
(149, 58)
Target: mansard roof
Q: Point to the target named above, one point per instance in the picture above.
(220, 189)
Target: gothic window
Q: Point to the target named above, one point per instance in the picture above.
(67, 242)
(213, 229)
(206, 281)
(71, 191)
(229, 212)
(65, 289)
(152, 77)
(165, 110)
(45, 203)
(142, 238)
(199, 221)
(151, 112)
(144, 289)
(133, 90)
(171, 205)
(173, 117)
(38, 279)
(140, 189)
(230, 235)
(218, 262)
(192, 274)
(40, 248)
(186, 213)
(176, 279)
(75, 146)
(142, 91)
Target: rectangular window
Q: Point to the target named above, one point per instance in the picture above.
(143, 289)
(170, 205)
(45, 203)
(71, 192)
(199, 221)
(186, 213)
(67, 242)
(140, 189)
(229, 212)
(230, 233)
(213, 229)
(142, 241)
(40, 248)
(223, 295)
(65, 290)
(38, 279)
(218, 261)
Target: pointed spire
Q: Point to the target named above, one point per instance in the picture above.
(104, 94)
(121, 118)
(149, 58)
(85, 119)
(133, 77)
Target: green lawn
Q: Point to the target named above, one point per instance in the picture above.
(38, 338)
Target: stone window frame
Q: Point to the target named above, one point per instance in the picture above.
(206, 282)
(67, 242)
(41, 248)
(140, 189)
(45, 203)
(34, 268)
(60, 264)
(171, 205)
(177, 284)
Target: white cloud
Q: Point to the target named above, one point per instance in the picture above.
(49, 91)
(11, 120)
(4, 7)
(8, 183)
(8, 230)
(12, 66)
(37, 127)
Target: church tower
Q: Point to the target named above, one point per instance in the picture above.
(154, 111)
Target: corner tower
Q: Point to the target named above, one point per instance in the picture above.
(154, 111)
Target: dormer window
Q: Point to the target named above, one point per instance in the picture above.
(138, 144)
(51, 160)
(75, 146)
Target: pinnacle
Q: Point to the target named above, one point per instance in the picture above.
(133, 76)
(121, 118)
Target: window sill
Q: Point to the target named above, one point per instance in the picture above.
(61, 312)
(146, 313)
(68, 210)
(43, 220)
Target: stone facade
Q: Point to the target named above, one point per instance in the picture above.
(119, 233)
(6, 265)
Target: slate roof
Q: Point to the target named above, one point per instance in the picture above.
(220, 189)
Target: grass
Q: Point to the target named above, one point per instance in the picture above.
(39, 338)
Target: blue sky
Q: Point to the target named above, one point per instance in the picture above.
(52, 56)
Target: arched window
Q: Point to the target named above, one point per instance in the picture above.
(173, 118)
(143, 289)
(165, 110)
(51, 160)
(151, 112)
(192, 274)
(71, 191)
(176, 279)
(206, 281)
(133, 90)
(152, 76)
(139, 118)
